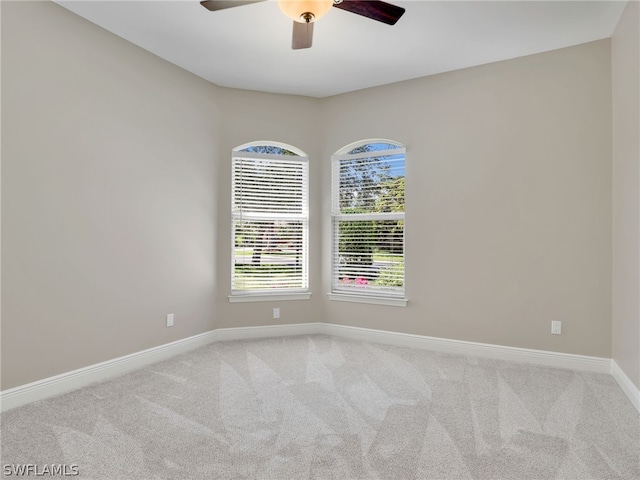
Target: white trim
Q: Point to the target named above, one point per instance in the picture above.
(248, 216)
(371, 299)
(65, 382)
(267, 331)
(460, 347)
(271, 156)
(269, 297)
(268, 143)
(347, 148)
(369, 154)
(75, 379)
(347, 217)
(625, 383)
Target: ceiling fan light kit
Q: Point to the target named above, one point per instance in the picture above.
(305, 12)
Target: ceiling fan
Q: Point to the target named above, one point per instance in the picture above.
(305, 12)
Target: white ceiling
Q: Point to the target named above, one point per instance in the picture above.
(249, 47)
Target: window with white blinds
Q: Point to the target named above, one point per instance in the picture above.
(270, 220)
(368, 220)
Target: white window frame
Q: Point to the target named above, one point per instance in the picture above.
(239, 214)
(366, 295)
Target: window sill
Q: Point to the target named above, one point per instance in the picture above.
(390, 301)
(266, 297)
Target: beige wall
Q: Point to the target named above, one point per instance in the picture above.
(508, 199)
(116, 196)
(626, 192)
(108, 209)
(293, 120)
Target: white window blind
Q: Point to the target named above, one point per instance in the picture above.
(270, 221)
(368, 220)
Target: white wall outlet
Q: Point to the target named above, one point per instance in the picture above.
(276, 312)
(556, 327)
(169, 319)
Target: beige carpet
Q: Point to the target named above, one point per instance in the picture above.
(328, 408)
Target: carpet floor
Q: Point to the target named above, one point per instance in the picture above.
(325, 407)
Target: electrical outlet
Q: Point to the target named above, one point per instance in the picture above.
(276, 312)
(556, 327)
(169, 319)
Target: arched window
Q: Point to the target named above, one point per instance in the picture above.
(368, 222)
(270, 184)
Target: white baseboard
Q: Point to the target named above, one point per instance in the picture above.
(266, 331)
(626, 384)
(485, 350)
(66, 382)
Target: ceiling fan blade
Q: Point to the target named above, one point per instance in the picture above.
(302, 35)
(374, 9)
(214, 5)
